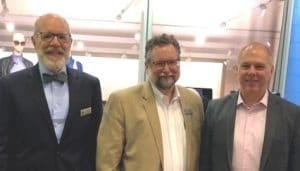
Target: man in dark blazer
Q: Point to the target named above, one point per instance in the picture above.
(252, 129)
(50, 114)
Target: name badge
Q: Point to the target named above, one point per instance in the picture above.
(188, 111)
(85, 111)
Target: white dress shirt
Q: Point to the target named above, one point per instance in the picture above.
(173, 131)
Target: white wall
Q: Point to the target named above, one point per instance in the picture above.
(117, 73)
(202, 75)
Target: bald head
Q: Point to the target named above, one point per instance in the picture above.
(256, 48)
(46, 18)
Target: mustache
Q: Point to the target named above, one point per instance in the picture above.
(55, 50)
(166, 75)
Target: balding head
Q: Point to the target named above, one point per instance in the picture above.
(255, 48)
(48, 17)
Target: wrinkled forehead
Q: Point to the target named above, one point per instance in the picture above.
(19, 37)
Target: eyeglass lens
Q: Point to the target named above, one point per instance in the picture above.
(48, 36)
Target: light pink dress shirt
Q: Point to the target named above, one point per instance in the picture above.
(249, 134)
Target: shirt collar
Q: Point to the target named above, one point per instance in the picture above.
(263, 101)
(159, 95)
(17, 58)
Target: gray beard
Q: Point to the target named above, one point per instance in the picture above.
(165, 82)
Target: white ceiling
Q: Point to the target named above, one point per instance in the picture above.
(94, 22)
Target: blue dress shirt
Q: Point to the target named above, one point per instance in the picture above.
(57, 96)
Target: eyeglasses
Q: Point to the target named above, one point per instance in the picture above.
(162, 64)
(61, 37)
(19, 43)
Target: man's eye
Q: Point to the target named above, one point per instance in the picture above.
(47, 36)
(160, 63)
(172, 62)
(260, 67)
(245, 66)
(62, 37)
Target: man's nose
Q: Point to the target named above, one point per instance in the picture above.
(55, 41)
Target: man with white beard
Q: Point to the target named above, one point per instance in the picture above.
(50, 114)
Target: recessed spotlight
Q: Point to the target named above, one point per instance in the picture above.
(80, 45)
(10, 27)
(137, 36)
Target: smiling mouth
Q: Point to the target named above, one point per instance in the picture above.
(55, 53)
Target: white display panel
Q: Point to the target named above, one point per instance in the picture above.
(202, 75)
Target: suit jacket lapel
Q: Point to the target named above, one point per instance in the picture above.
(9, 65)
(148, 101)
(73, 85)
(271, 120)
(230, 113)
(187, 112)
(35, 86)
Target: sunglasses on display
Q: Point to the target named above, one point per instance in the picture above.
(19, 43)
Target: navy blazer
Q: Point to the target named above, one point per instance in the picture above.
(281, 147)
(27, 136)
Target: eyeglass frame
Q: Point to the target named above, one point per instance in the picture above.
(160, 64)
(16, 43)
(57, 35)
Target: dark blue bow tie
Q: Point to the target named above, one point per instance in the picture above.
(60, 77)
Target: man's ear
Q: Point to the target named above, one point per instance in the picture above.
(272, 69)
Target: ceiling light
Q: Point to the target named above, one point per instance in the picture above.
(2, 49)
(223, 25)
(134, 47)
(200, 38)
(137, 37)
(87, 54)
(263, 6)
(119, 17)
(80, 45)
(229, 52)
(10, 27)
(188, 59)
(123, 56)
